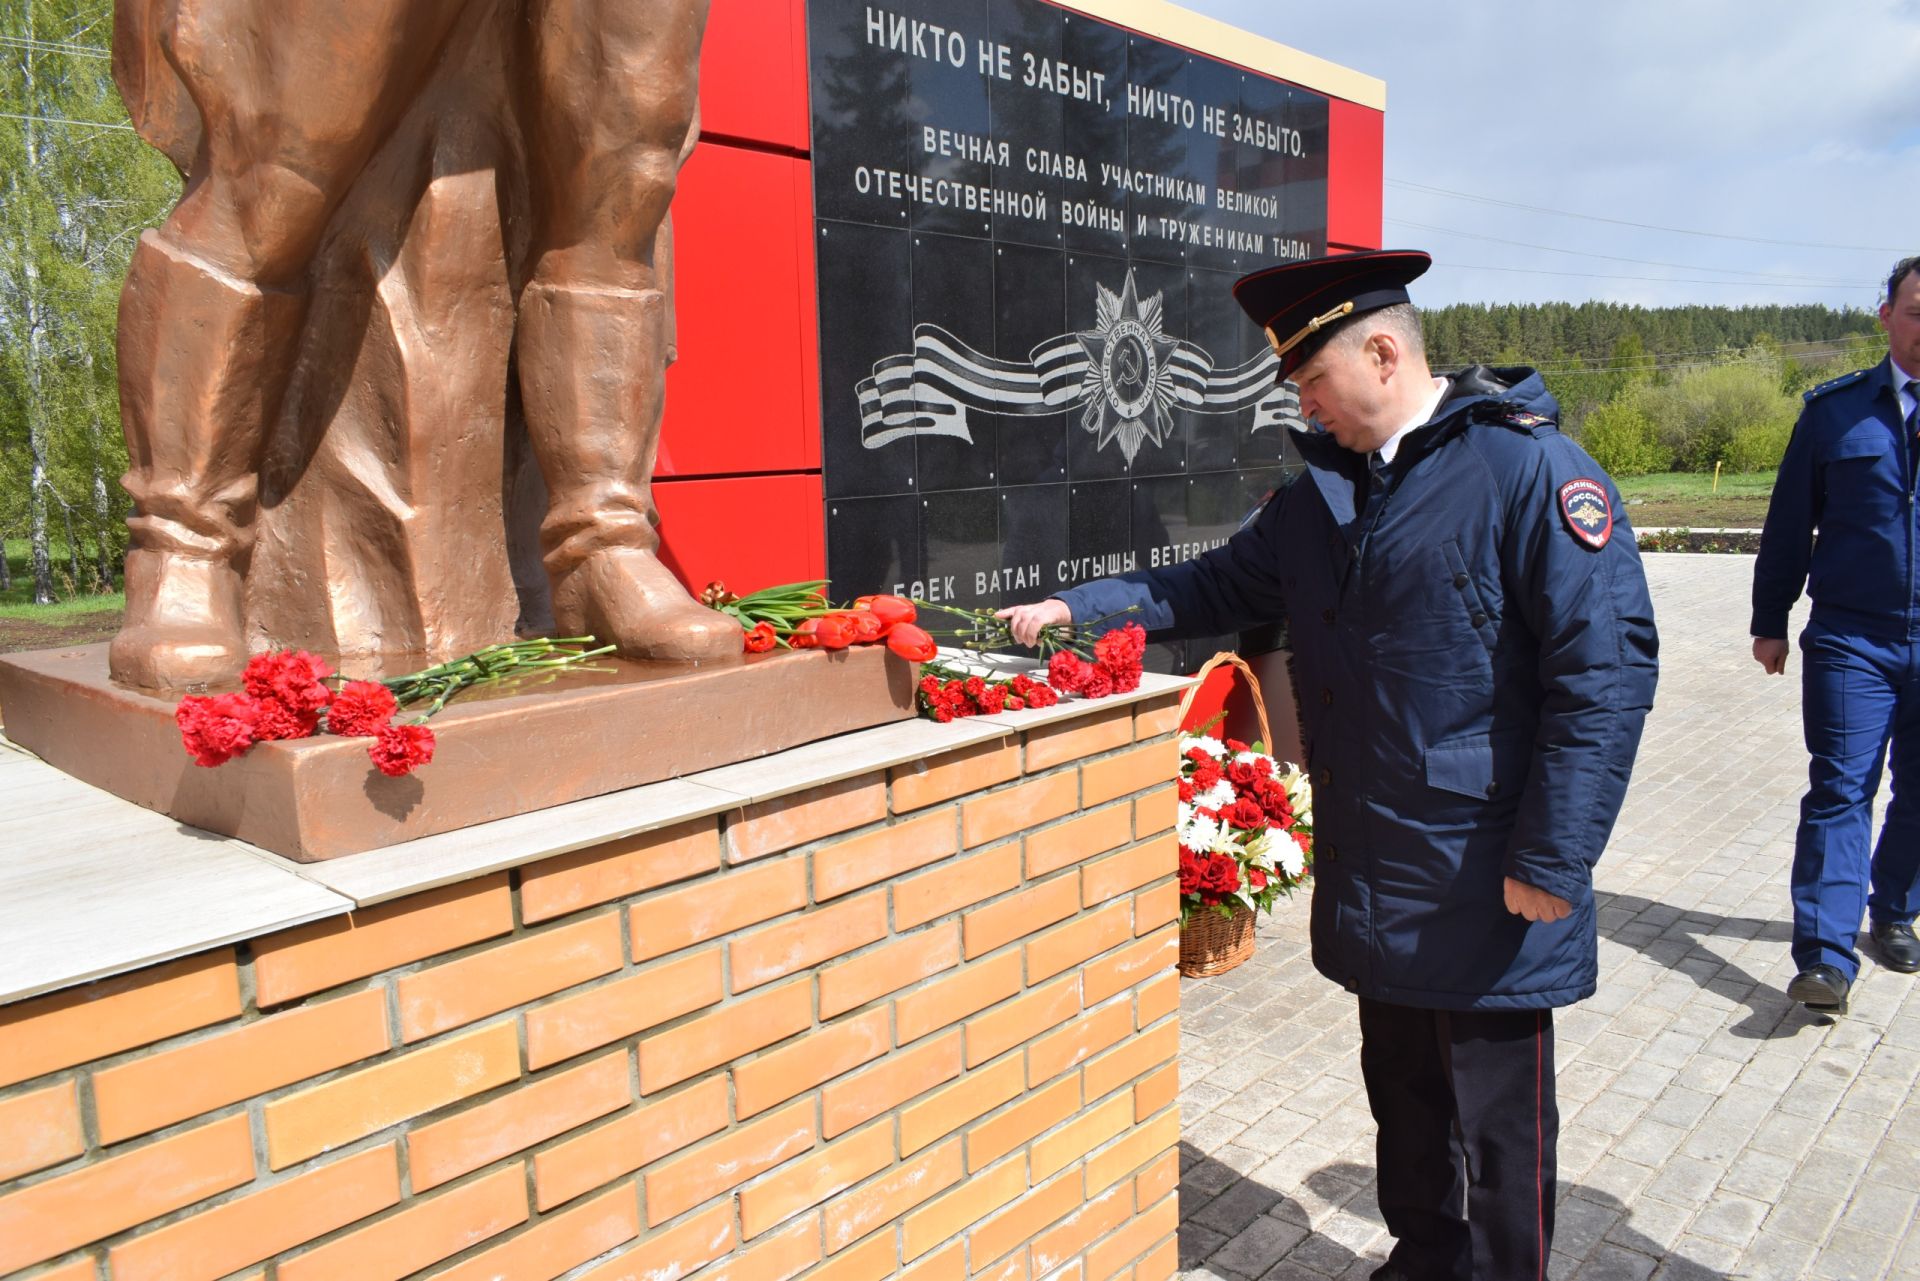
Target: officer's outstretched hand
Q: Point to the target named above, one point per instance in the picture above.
(1771, 653)
(1025, 621)
(1535, 904)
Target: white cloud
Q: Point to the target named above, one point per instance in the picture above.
(1761, 119)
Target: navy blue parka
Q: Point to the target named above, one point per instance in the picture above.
(1473, 676)
(1848, 473)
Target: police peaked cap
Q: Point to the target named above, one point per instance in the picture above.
(1303, 304)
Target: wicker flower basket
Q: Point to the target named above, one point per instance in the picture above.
(1213, 944)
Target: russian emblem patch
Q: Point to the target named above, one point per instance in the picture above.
(1589, 516)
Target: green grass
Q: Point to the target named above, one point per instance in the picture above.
(17, 601)
(1689, 499)
(72, 610)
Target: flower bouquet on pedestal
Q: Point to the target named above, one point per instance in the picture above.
(290, 694)
(1245, 826)
(799, 616)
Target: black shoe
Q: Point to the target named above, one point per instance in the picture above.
(1899, 949)
(1820, 988)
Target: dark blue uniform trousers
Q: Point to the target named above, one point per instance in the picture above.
(1468, 1126)
(1857, 696)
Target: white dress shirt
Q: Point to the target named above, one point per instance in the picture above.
(1421, 419)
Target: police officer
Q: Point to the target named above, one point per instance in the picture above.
(1475, 652)
(1849, 474)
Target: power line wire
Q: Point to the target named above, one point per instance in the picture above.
(1644, 262)
(1660, 280)
(62, 120)
(1622, 222)
(56, 46)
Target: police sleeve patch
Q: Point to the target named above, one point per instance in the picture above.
(1589, 516)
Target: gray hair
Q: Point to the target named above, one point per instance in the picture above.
(1402, 320)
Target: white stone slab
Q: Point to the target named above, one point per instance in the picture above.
(832, 760)
(101, 886)
(431, 861)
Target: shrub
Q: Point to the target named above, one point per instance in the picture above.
(1622, 438)
(1730, 414)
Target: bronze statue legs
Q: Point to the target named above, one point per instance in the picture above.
(204, 357)
(609, 96)
(292, 99)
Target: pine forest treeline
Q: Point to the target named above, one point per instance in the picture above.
(1654, 389)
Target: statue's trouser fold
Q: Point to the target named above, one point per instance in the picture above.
(204, 361)
(592, 364)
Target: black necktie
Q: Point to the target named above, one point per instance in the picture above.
(1913, 416)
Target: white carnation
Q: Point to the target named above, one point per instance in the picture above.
(1292, 861)
(1218, 797)
(1201, 833)
(1205, 742)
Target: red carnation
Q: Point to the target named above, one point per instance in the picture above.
(1098, 683)
(1256, 878)
(361, 709)
(401, 749)
(1068, 672)
(215, 730)
(293, 676)
(1206, 777)
(1118, 654)
(1235, 746)
(274, 720)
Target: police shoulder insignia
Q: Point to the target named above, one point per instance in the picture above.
(1844, 380)
(1589, 516)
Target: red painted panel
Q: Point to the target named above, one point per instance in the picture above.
(747, 531)
(742, 397)
(1355, 175)
(753, 73)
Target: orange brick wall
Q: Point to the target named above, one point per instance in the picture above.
(919, 1023)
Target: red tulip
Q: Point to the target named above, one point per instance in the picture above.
(834, 631)
(806, 636)
(911, 643)
(866, 626)
(892, 610)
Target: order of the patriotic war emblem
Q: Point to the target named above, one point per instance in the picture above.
(1128, 391)
(1126, 376)
(1588, 513)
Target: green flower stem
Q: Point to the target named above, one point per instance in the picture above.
(496, 662)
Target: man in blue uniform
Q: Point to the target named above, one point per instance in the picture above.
(1849, 475)
(1475, 656)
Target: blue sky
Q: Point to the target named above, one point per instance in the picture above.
(1757, 123)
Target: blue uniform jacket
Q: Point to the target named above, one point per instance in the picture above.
(1473, 677)
(1847, 474)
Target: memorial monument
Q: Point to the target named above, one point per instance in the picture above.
(392, 381)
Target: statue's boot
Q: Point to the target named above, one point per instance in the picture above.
(592, 384)
(204, 360)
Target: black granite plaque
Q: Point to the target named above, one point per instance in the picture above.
(1028, 221)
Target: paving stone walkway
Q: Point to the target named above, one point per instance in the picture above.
(1710, 1128)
